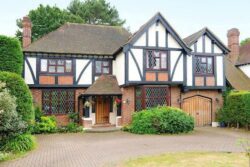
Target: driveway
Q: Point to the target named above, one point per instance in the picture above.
(105, 149)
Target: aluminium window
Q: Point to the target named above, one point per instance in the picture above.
(156, 60)
(56, 66)
(204, 65)
(58, 101)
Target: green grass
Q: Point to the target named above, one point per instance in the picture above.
(194, 159)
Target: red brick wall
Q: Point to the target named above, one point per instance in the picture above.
(46, 80)
(62, 119)
(65, 80)
(128, 93)
(175, 93)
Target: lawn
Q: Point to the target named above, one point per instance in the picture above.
(194, 159)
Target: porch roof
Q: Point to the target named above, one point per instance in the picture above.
(104, 85)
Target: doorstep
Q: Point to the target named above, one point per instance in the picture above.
(103, 129)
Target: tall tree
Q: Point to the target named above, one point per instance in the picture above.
(46, 19)
(96, 12)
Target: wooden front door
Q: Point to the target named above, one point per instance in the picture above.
(200, 108)
(102, 110)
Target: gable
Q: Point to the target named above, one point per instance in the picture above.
(158, 33)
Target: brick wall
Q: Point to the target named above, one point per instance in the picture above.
(128, 94)
(62, 119)
(175, 93)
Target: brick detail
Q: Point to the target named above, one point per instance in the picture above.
(65, 80)
(26, 31)
(199, 81)
(216, 96)
(87, 123)
(46, 80)
(233, 44)
(62, 120)
(162, 76)
(150, 76)
(210, 81)
(175, 93)
(37, 97)
(128, 95)
(119, 122)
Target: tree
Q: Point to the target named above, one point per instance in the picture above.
(96, 12)
(11, 56)
(46, 19)
(245, 41)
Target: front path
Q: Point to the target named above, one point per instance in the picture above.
(97, 149)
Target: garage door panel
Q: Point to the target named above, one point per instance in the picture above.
(200, 108)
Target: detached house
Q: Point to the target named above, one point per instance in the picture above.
(105, 74)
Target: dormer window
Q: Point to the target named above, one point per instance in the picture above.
(102, 67)
(156, 60)
(55, 66)
(204, 65)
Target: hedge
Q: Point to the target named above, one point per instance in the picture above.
(11, 56)
(17, 87)
(161, 120)
(236, 110)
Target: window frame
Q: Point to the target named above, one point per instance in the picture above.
(56, 65)
(160, 57)
(143, 97)
(103, 66)
(58, 101)
(213, 66)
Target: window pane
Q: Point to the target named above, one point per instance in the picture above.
(98, 67)
(157, 63)
(60, 62)
(52, 62)
(203, 59)
(44, 64)
(163, 60)
(52, 68)
(60, 69)
(68, 65)
(150, 60)
(105, 70)
(105, 63)
(209, 65)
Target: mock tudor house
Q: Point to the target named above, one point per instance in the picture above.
(105, 74)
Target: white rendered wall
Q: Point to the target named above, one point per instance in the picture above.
(152, 35)
(86, 77)
(189, 71)
(161, 35)
(199, 45)
(141, 41)
(172, 43)
(27, 73)
(220, 71)
(208, 45)
(178, 75)
(119, 68)
(133, 73)
(246, 69)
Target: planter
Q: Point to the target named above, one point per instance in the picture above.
(215, 124)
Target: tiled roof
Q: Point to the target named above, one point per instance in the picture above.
(75, 38)
(104, 85)
(244, 57)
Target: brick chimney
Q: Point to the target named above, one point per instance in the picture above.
(233, 44)
(26, 31)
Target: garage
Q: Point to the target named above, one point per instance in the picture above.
(200, 108)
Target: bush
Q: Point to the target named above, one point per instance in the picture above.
(11, 124)
(11, 56)
(73, 117)
(4, 156)
(161, 120)
(17, 87)
(46, 125)
(21, 143)
(38, 113)
(236, 110)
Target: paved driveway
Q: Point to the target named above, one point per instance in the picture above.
(98, 149)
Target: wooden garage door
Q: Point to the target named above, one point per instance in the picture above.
(200, 108)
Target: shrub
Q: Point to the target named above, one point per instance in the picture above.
(46, 125)
(71, 127)
(20, 90)
(21, 143)
(11, 56)
(161, 120)
(236, 109)
(38, 113)
(73, 117)
(4, 156)
(11, 124)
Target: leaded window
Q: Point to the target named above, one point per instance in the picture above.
(60, 101)
(151, 96)
(204, 65)
(156, 60)
(102, 67)
(55, 66)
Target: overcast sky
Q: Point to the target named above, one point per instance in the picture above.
(186, 16)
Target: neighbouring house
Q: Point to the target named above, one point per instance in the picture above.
(238, 62)
(105, 74)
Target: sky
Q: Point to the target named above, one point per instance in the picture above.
(185, 16)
